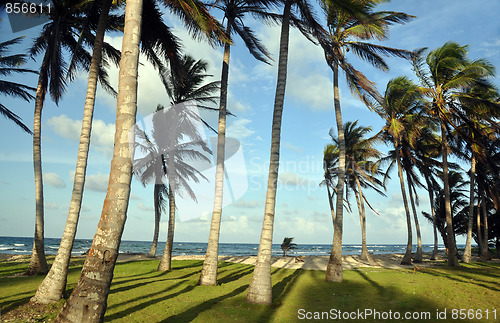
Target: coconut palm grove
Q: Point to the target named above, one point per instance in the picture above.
(209, 135)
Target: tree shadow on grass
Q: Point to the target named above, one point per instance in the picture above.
(280, 291)
(462, 278)
(193, 312)
(235, 275)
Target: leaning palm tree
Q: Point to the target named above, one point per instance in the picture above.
(347, 32)
(400, 109)
(186, 85)
(476, 134)
(445, 75)
(67, 20)
(362, 170)
(234, 13)
(97, 272)
(53, 286)
(10, 64)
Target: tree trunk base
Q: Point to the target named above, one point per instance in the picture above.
(418, 257)
(434, 255)
(334, 272)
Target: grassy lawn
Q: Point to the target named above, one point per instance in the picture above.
(141, 294)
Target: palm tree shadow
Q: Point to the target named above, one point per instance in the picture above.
(279, 293)
(143, 305)
(193, 312)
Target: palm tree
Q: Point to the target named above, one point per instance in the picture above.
(347, 32)
(445, 76)
(183, 87)
(97, 271)
(400, 109)
(287, 245)
(10, 64)
(475, 132)
(53, 286)
(66, 19)
(427, 149)
(361, 171)
(234, 12)
(459, 203)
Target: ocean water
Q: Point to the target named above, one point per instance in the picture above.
(20, 245)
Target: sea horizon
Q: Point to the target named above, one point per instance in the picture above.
(24, 245)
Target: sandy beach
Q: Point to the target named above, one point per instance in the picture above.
(392, 261)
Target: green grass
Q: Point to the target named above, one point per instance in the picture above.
(141, 294)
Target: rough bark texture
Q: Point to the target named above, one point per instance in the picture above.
(334, 271)
(468, 241)
(38, 262)
(479, 233)
(88, 301)
(434, 254)
(53, 286)
(260, 289)
(484, 213)
(154, 244)
(450, 235)
(166, 259)
(407, 257)
(209, 271)
(365, 254)
(330, 198)
(418, 255)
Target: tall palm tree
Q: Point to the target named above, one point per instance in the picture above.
(361, 172)
(185, 84)
(347, 32)
(10, 64)
(400, 109)
(427, 149)
(475, 132)
(183, 87)
(97, 271)
(234, 14)
(53, 286)
(66, 20)
(98, 268)
(445, 75)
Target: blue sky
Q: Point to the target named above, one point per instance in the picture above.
(302, 209)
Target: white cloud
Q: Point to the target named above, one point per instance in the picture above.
(249, 204)
(135, 197)
(292, 179)
(238, 129)
(51, 206)
(142, 206)
(97, 182)
(293, 147)
(54, 180)
(102, 137)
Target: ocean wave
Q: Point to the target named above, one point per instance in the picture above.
(5, 248)
(19, 245)
(53, 247)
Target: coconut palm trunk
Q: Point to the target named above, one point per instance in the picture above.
(418, 255)
(468, 241)
(330, 201)
(53, 286)
(154, 244)
(334, 271)
(260, 289)
(166, 259)
(88, 301)
(38, 262)
(407, 257)
(209, 271)
(450, 234)
(478, 224)
(365, 254)
(484, 213)
(434, 254)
